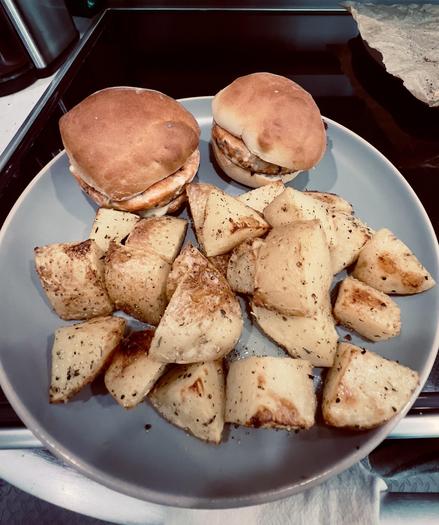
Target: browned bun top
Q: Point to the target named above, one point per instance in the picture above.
(276, 119)
(123, 140)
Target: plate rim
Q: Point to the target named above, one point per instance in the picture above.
(201, 502)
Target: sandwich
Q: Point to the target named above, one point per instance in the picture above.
(132, 149)
(266, 128)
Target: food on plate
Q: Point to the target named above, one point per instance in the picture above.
(197, 197)
(350, 236)
(293, 205)
(136, 281)
(192, 397)
(72, 275)
(261, 197)
(190, 261)
(371, 313)
(202, 321)
(221, 262)
(387, 264)
(242, 266)
(111, 225)
(364, 390)
(132, 149)
(270, 392)
(266, 128)
(132, 373)
(228, 222)
(164, 235)
(293, 269)
(313, 339)
(332, 200)
(80, 352)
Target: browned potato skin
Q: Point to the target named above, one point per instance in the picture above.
(270, 392)
(388, 265)
(190, 261)
(136, 281)
(203, 320)
(192, 397)
(228, 222)
(363, 390)
(111, 225)
(368, 311)
(221, 262)
(72, 275)
(80, 352)
(332, 200)
(164, 235)
(132, 373)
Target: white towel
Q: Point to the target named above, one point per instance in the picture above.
(351, 498)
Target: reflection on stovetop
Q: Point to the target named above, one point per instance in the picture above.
(188, 54)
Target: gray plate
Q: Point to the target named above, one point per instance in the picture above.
(165, 465)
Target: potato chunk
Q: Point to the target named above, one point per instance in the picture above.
(333, 201)
(351, 235)
(136, 281)
(220, 262)
(202, 322)
(293, 271)
(293, 205)
(80, 352)
(229, 222)
(260, 198)
(270, 392)
(242, 266)
(364, 390)
(72, 275)
(197, 196)
(190, 261)
(311, 338)
(164, 235)
(132, 373)
(366, 310)
(192, 397)
(111, 225)
(387, 264)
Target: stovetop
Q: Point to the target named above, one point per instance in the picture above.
(193, 52)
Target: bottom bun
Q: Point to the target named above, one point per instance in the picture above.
(246, 177)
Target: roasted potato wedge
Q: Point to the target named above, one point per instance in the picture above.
(197, 196)
(366, 310)
(387, 264)
(136, 281)
(202, 322)
(242, 266)
(190, 261)
(313, 339)
(364, 390)
(80, 352)
(228, 223)
(72, 275)
(164, 235)
(293, 205)
(351, 235)
(192, 397)
(293, 269)
(132, 373)
(260, 198)
(111, 225)
(333, 201)
(270, 392)
(221, 262)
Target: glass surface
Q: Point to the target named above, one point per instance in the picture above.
(195, 53)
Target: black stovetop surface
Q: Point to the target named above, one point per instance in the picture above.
(197, 52)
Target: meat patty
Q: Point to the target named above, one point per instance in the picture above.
(235, 150)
